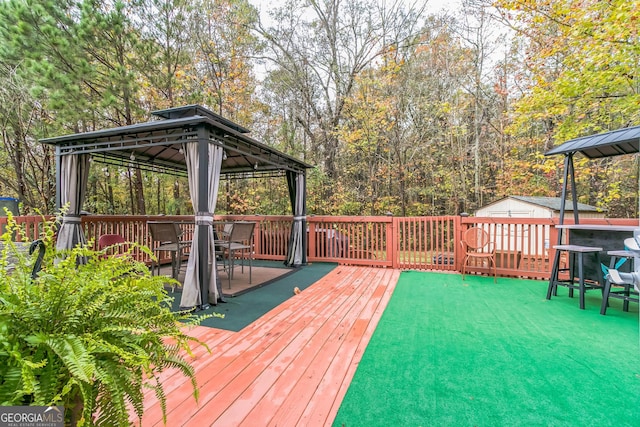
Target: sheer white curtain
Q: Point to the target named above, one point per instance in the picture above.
(191, 295)
(297, 254)
(74, 174)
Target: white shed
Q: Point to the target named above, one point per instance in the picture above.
(534, 207)
(523, 238)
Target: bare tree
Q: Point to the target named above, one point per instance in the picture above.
(319, 48)
(477, 32)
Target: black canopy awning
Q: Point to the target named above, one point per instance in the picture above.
(156, 145)
(614, 143)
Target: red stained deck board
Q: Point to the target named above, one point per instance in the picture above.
(291, 366)
(306, 385)
(208, 366)
(236, 369)
(271, 391)
(328, 394)
(252, 351)
(173, 378)
(216, 370)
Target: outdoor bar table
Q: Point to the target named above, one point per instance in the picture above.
(608, 237)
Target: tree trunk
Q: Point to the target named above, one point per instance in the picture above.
(139, 191)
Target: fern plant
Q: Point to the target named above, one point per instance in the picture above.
(90, 332)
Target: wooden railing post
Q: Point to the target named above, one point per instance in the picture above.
(311, 242)
(257, 246)
(457, 249)
(392, 242)
(553, 240)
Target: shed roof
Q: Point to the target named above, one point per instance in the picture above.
(157, 144)
(613, 143)
(553, 203)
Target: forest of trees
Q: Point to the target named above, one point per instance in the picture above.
(401, 110)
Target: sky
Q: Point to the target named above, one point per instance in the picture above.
(433, 6)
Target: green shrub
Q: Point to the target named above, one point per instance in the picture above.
(90, 332)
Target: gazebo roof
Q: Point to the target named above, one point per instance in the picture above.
(157, 144)
(614, 143)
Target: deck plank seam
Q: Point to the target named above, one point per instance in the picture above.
(362, 345)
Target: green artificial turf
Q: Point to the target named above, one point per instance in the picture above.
(449, 352)
(240, 311)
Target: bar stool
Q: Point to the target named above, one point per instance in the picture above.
(576, 257)
(627, 293)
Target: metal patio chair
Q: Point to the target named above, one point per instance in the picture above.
(166, 236)
(239, 239)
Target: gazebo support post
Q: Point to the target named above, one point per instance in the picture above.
(203, 199)
(58, 167)
(569, 178)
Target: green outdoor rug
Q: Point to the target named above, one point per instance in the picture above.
(240, 311)
(475, 353)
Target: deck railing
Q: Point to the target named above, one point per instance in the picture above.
(523, 246)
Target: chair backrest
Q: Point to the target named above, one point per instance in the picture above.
(476, 238)
(226, 230)
(164, 232)
(242, 231)
(107, 240)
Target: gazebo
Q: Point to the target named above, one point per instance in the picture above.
(190, 141)
(615, 143)
(608, 144)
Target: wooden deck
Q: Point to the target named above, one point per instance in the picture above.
(291, 367)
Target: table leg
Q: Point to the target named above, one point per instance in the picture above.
(581, 278)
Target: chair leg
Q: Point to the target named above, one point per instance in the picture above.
(174, 265)
(153, 268)
(605, 297)
(178, 263)
(155, 265)
(232, 266)
(495, 270)
(229, 266)
(625, 303)
(219, 289)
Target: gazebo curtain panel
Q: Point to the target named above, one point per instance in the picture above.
(296, 254)
(74, 175)
(192, 289)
